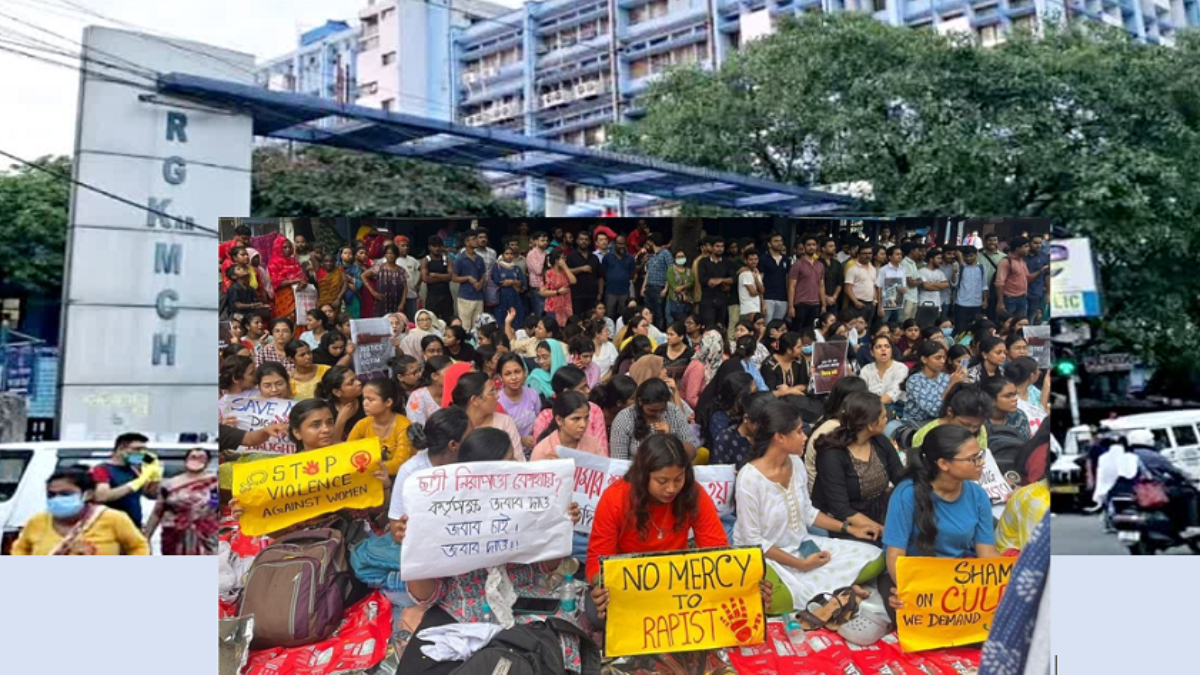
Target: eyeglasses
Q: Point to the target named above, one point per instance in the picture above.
(977, 460)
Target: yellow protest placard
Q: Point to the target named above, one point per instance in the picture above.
(948, 602)
(679, 602)
(289, 489)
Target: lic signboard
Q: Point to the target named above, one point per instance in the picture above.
(1074, 292)
(141, 294)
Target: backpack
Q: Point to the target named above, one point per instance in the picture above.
(1007, 446)
(295, 589)
(531, 649)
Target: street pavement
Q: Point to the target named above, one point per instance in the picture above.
(1083, 534)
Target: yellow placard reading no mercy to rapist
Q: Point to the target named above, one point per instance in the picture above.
(679, 602)
(948, 602)
(282, 491)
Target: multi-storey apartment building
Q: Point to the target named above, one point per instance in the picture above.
(323, 64)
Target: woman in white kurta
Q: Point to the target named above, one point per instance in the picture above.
(774, 512)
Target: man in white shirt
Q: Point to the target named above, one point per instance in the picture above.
(412, 269)
(914, 255)
(860, 285)
(933, 282)
(750, 285)
(890, 287)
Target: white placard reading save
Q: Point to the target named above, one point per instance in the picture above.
(471, 516)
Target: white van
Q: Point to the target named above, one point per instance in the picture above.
(1176, 433)
(25, 468)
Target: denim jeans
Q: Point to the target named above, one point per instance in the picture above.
(776, 309)
(539, 303)
(654, 302)
(1017, 305)
(678, 311)
(410, 308)
(1037, 303)
(892, 315)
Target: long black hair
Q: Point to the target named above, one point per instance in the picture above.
(986, 344)
(860, 411)
(639, 346)
(778, 417)
(481, 357)
(565, 403)
(842, 389)
(653, 390)
(333, 380)
(745, 347)
(567, 378)
(387, 389)
(321, 355)
(485, 444)
(272, 368)
(728, 399)
(321, 317)
(445, 426)
(661, 451)
(433, 366)
(617, 390)
(233, 368)
(942, 442)
(966, 400)
(924, 350)
(469, 386)
(430, 339)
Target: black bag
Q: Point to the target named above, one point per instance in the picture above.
(927, 314)
(531, 649)
(1008, 447)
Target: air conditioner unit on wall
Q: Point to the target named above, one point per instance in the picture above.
(491, 72)
(587, 89)
(470, 77)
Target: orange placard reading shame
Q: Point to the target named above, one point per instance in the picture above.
(948, 602)
(282, 491)
(687, 601)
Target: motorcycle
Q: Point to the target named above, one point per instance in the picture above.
(1146, 531)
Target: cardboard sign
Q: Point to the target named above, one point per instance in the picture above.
(280, 492)
(893, 292)
(305, 300)
(373, 349)
(253, 414)
(829, 365)
(1038, 338)
(594, 473)
(471, 516)
(948, 602)
(680, 602)
(993, 481)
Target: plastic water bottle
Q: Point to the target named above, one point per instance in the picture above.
(795, 632)
(488, 617)
(568, 595)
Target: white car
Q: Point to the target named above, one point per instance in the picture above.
(25, 468)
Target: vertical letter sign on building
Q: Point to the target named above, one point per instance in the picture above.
(140, 305)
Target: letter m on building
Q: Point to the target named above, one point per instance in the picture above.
(168, 258)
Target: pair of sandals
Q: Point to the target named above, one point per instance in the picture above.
(832, 609)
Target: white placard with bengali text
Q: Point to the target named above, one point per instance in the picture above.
(472, 516)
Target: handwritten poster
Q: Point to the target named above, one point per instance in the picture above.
(305, 300)
(282, 491)
(993, 481)
(893, 291)
(948, 602)
(373, 349)
(594, 473)
(680, 602)
(253, 414)
(829, 365)
(1038, 338)
(471, 516)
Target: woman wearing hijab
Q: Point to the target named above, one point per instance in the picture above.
(550, 357)
(427, 324)
(703, 368)
(286, 277)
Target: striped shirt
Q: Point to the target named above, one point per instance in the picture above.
(656, 268)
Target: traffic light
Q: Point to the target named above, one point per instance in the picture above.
(1066, 365)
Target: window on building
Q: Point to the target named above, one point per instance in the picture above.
(648, 12)
(389, 58)
(10, 311)
(388, 104)
(990, 36)
(878, 5)
(1025, 23)
(369, 89)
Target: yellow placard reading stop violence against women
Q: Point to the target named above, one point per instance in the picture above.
(289, 489)
(948, 602)
(679, 602)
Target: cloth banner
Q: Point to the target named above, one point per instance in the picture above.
(594, 473)
(679, 602)
(1038, 338)
(948, 602)
(282, 491)
(305, 300)
(253, 414)
(829, 365)
(373, 349)
(472, 516)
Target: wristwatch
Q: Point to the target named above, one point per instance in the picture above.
(845, 526)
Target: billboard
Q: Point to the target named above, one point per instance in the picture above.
(139, 300)
(1074, 292)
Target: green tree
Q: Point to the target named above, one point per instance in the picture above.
(324, 182)
(33, 226)
(1083, 126)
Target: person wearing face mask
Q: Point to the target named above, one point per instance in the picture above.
(130, 474)
(73, 524)
(187, 509)
(680, 284)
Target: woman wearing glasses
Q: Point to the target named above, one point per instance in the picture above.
(940, 510)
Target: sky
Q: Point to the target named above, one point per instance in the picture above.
(38, 113)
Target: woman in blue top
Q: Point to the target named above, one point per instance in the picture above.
(743, 353)
(928, 383)
(940, 510)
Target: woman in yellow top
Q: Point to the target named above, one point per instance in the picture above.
(73, 525)
(380, 399)
(307, 375)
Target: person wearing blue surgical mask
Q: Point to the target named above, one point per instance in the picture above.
(946, 325)
(129, 475)
(73, 524)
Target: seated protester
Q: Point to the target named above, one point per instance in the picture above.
(632, 350)
(523, 341)
(723, 409)
(784, 372)
(334, 350)
(990, 362)
(775, 513)
(857, 465)
(676, 353)
(282, 330)
(940, 510)
(743, 329)
(885, 376)
(732, 446)
(582, 349)
(306, 374)
(828, 422)
(651, 413)
(1034, 402)
(959, 356)
(927, 383)
(571, 378)
(772, 332)
(75, 524)
(615, 396)
(551, 355)
(965, 405)
(710, 355)
(1005, 411)
(743, 358)
(456, 345)
(865, 352)
(656, 507)
(1028, 504)
(567, 428)
(236, 349)
(238, 377)
(604, 351)
(638, 326)
(475, 393)
(342, 388)
(462, 598)
(381, 403)
(318, 325)
(906, 348)
(273, 381)
(521, 403)
(484, 361)
(407, 371)
(428, 399)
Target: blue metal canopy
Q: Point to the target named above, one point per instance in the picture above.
(311, 119)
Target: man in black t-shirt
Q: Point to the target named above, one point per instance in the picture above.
(716, 278)
(586, 267)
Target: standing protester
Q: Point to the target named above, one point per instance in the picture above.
(640, 235)
(470, 272)
(680, 285)
(655, 286)
(586, 267)
(805, 286)
(774, 267)
(888, 296)
(186, 509)
(557, 287)
(971, 291)
(1038, 264)
(835, 275)
(716, 278)
(860, 286)
(510, 282)
(750, 286)
(603, 237)
(412, 275)
(1012, 279)
(992, 257)
(486, 252)
(353, 279)
(75, 524)
(126, 477)
(705, 251)
(436, 276)
(914, 254)
(535, 261)
(618, 267)
(287, 277)
(387, 283)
